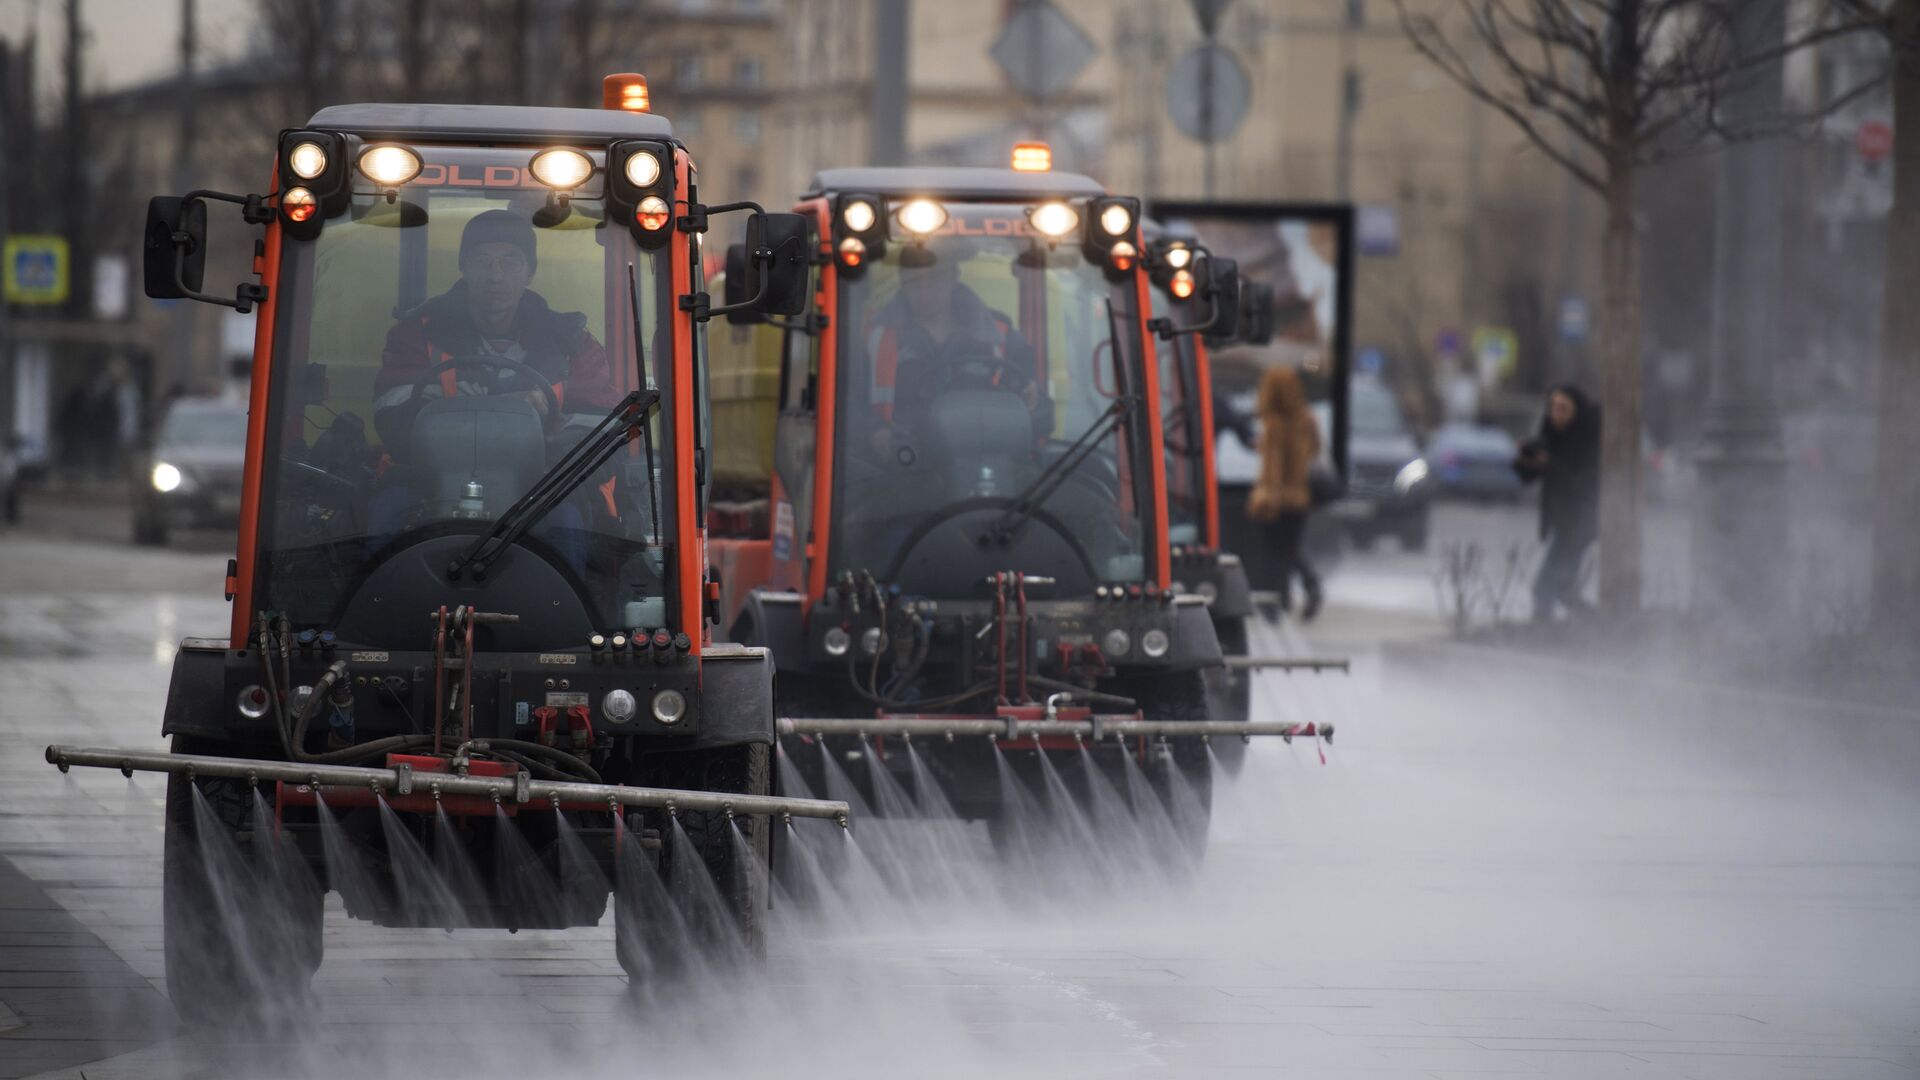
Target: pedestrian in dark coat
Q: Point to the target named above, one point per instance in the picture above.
(1565, 458)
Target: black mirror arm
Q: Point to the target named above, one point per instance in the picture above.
(701, 304)
(254, 211)
(695, 219)
(1164, 326)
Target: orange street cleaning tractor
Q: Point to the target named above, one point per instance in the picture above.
(471, 603)
(957, 530)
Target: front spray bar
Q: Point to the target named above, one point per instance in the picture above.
(1013, 729)
(403, 780)
(1289, 663)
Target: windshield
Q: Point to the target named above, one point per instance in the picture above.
(202, 427)
(970, 365)
(433, 357)
(1181, 421)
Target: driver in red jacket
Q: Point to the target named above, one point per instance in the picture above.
(490, 314)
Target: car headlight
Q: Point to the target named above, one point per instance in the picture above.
(165, 477)
(859, 215)
(836, 641)
(1155, 643)
(922, 216)
(669, 706)
(1117, 642)
(1055, 219)
(1412, 473)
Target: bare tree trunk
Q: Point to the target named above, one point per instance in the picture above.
(1620, 574)
(1896, 514)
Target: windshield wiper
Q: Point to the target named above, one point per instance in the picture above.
(1029, 501)
(616, 429)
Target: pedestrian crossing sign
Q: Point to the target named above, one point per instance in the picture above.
(36, 269)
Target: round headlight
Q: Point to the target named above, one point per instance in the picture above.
(669, 706)
(1179, 257)
(1122, 254)
(858, 215)
(390, 166)
(619, 706)
(1116, 220)
(561, 168)
(308, 160)
(1414, 472)
(643, 169)
(1054, 218)
(299, 204)
(1155, 643)
(1116, 643)
(836, 641)
(922, 216)
(252, 702)
(872, 640)
(653, 213)
(852, 251)
(1182, 284)
(165, 477)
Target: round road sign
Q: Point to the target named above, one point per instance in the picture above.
(1208, 75)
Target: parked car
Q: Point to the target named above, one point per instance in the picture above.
(1389, 489)
(191, 477)
(1473, 461)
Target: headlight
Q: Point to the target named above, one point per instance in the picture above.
(872, 640)
(308, 160)
(643, 169)
(922, 216)
(1179, 257)
(619, 706)
(858, 215)
(669, 706)
(1054, 219)
(653, 213)
(1182, 284)
(561, 169)
(1116, 643)
(836, 641)
(1121, 255)
(1116, 220)
(852, 251)
(1414, 472)
(252, 702)
(165, 477)
(390, 166)
(1155, 643)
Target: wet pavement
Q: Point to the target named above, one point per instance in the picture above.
(1502, 869)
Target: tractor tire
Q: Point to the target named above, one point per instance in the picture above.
(1230, 694)
(242, 932)
(643, 940)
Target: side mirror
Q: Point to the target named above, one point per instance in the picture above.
(1223, 290)
(1256, 312)
(738, 288)
(175, 251)
(784, 279)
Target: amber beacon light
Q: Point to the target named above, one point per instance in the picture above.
(627, 90)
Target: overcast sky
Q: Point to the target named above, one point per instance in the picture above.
(129, 41)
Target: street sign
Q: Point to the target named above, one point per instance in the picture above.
(112, 279)
(1376, 229)
(1576, 319)
(1041, 50)
(1496, 352)
(1203, 76)
(1874, 141)
(1371, 361)
(1209, 12)
(36, 269)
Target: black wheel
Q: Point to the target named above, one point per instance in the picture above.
(651, 943)
(148, 528)
(241, 911)
(1413, 537)
(1230, 693)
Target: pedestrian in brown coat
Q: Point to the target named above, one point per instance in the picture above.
(1289, 444)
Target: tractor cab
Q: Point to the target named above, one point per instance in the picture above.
(471, 584)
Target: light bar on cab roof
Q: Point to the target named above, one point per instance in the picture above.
(1032, 157)
(626, 91)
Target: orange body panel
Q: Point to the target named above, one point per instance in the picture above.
(1209, 482)
(826, 399)
(247, 545)
(1156, 436)
(690, 530)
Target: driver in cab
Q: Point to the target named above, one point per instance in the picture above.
(507, 331)
(937, 334)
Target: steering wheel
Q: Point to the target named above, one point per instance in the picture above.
(550, 422)
(982, 503)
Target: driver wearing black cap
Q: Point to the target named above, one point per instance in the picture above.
(490, 314)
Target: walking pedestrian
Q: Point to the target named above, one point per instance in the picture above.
(1565, 458)
(1282, 497)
